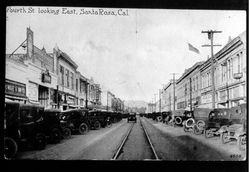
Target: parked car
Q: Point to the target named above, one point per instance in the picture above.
(166, 116)
(52, 126)
(98, 119)
(236, 128)
(132, 117)
(181, 115)
(76, 120)
(22, 128)
(200, 120)
(216, 119)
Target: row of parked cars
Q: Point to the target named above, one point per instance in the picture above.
(228, 123)
(29, 126)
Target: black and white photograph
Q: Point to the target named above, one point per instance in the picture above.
(125, 84)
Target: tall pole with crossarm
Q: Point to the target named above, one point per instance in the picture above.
(211, 37)
(174, 87)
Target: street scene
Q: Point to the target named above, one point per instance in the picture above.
(120, 84)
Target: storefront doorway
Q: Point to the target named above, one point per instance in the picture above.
(43, 95)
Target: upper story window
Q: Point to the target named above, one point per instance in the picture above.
(62, 75)
(72, 80)
(67, 77)
(76, 84)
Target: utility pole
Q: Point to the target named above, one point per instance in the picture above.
(87, 90)
(155, 102)
(159, 100)
(211, 37)
(174, 87)
(107, 102)
(190, 89)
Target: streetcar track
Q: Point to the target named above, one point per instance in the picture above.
(116, 155)
(120, 148)
(148, 139)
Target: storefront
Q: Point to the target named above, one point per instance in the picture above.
(15, 91)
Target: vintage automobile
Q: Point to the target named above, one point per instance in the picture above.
(99, 119)
(200, 120)
(76, 120)
(236, 128)
(216, 119)
(208, 121)
(156, 115)
(181, 115)
(22, 128)
(53, 129)
(166, 116)
(132, 117)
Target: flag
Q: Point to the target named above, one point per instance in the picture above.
(192, 48)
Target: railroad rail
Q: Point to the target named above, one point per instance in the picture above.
(119, 150)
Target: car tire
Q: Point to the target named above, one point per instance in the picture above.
(97, 125)
(55, 135)
(178, 120)
(40, 141)
(223, 138)
(10, 148)
(206, 133)
(66, 133)
(83, 128)
(185, 129)
(242, 142)
(197, 130)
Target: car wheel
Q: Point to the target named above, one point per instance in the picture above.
(185, 129)
(40, 141)
(197, 130)
(66, 133)
(55, 135)
(178, 120)
(10, 148)
(224, 138)
(242, 142)
(97, 125)
(207, 133)
(83, 128)
(109, 124)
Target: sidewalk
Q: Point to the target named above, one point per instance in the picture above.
(230, 148)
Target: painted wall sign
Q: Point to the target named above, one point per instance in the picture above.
(33, 91)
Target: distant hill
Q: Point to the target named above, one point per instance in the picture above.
(135, 103)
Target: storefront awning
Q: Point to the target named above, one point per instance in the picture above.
(11, 98)
(34, 102)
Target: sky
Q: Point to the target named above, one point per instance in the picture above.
(131, 55)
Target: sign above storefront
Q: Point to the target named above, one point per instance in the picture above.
(238, 75)
(15, 88)
(46, 78)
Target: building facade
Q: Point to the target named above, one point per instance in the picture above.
(32, 74)
(167, 97)
(188, 88)
(229, 75)
(66, 73)
(16, 79)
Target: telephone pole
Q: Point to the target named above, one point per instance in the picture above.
(190, 90)
(211, 37)
(159, 100)
(174, 87)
